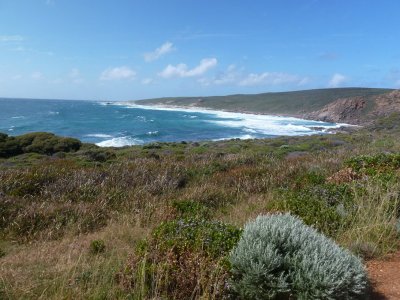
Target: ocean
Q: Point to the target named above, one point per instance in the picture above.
(120, 124)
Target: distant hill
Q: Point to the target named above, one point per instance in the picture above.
(351, 105)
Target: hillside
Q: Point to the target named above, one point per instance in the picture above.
(350, 105)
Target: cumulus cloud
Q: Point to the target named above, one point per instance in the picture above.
(337, 80)
(182, 70)
(118, 73)
(272, 78)
(230, 75)
(165, 48)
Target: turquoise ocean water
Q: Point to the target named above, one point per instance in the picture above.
(120, 124)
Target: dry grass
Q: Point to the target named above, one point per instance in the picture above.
(65, 269)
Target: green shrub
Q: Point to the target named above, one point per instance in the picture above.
(375, 164)
(37, 142)
(99, 155)
(212, 237)
(278, 256)
(323, 206)
(191, 209)
(183, 259)
(97, 246)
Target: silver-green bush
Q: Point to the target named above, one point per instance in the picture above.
(278, 256)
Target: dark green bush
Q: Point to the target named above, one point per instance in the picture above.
(279, 257)
(99, 155)
(325, 207)
(375, 164)
(97, 246)
(37, 142)
(212, 237)
(191, 210)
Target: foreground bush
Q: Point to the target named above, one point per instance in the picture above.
(184, 259)
(278, 256)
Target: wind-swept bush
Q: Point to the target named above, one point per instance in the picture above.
(36, 142)
(278, 256)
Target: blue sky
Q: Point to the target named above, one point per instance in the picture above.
(120, 49)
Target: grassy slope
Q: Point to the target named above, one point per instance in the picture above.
(288, 103)
(52, 208)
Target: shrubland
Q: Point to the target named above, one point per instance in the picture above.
(167, 220)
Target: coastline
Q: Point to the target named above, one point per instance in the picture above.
(340, 127)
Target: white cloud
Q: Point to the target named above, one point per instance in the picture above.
(231, 75)
(272, 78)
(147, 81)
(118, 73)
(165, 48)
(181, 70)
(75, 76)
(397, 84)
(37, 75)
(11, 38)
(337, 80)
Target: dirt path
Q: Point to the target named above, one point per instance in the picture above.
(385, 277)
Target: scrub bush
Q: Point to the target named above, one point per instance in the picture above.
(183, 259)
(97, 246)
(37, 142)
(324, 207)
(278, 256)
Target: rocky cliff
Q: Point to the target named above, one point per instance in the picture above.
(358, 110)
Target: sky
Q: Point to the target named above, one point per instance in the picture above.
(137, 49)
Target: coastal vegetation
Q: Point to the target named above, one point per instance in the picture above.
(306, 103)
(168, 220)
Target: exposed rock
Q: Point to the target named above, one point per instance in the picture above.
(358, 110)
(345, 110)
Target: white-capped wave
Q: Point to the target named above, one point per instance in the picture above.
(99, 135)
(252, 123)
(18, 117)
(120, 142)
(242, 137)
(156, 132)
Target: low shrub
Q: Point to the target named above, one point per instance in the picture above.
(97, 246)
(278, 256)
(375, 164)
(212, 237)
(324, 207)
(99, 155)
(191, 210)
(36, 142)
(183, 259)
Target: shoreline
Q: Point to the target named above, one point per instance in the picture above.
(340, 127)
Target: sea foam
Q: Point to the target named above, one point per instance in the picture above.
(253, 123)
